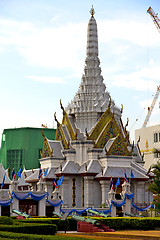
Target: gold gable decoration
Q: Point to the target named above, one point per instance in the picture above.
(46, 150)
(111, 130)
(60, 136)
(118, 147)
(104, 119)
(125, 131)
(66, 122)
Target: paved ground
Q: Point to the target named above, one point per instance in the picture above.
(144, 235)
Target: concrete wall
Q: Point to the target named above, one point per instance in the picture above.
(147, 143)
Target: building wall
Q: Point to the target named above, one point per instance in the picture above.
(149, 140)
(21, 146)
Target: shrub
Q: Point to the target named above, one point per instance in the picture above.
(132, 223)
(6, 220)
(10, 235)
(46, 229)
(35, 220)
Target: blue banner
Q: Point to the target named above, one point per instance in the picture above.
(5, 203)
(22, 196)
(141, 209)
(55, 203)
(129, 196)
(118, 205)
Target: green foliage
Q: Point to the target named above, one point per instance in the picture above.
(117, 223)
(103, 205)
(130, 223)
(154, 186)
(6, 220)
(54, 224)
(46, 229)
(36, 220)
(9, 235)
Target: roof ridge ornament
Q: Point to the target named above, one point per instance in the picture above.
(92, 12)
(62, 107)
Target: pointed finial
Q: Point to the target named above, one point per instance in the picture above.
(62, 106)
(92, 12)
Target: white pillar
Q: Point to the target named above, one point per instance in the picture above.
(111, 196)
(105, 187)
(49, 188)
(42, 207)
(57, 209)
(113, 211)
(88, 191)
(14, 185)
(64, 191)
(126, 190)
(140, 192)
(14, 205)
(127, 206)
(40, 185)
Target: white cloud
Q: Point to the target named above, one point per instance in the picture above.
(51, 47)
(46, 79)
(147, 103)
(62, 46)
(142, 80)
(139, 33)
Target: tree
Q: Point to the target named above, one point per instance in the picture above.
(154, 186)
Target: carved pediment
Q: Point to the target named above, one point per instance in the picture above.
(117, 146)
(46, 150)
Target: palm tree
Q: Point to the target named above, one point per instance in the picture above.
(154, 186)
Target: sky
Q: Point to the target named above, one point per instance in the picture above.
(43, 49)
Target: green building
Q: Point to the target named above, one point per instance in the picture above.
(22, 147)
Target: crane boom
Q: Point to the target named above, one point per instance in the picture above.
(156, 21)
(151, 107)
(155, 18)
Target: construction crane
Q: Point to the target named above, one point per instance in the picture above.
(150, 109)
(155, 18)
(156, 21)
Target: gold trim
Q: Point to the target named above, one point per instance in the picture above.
(66, 122)
(100, 142)
(61, 137)
(104, 119)
(125, 151)
(46, 145)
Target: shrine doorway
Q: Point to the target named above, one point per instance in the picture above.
(49, 211)
(29, 206)
(5, 211)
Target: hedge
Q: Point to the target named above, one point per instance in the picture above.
(46, 229)
(6, 220)
(7, 235)
(62, 225)
(145, 223)
(10, 235)
(114, 223)
(117, 223)
(35, 220)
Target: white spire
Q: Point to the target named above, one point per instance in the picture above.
(92, 38)
(91, 99)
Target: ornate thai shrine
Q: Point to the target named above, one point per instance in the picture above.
(91, 148)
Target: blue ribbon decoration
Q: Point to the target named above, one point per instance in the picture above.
(5, 203)
(22, 196)
(118, 205)
(55, 203)
(141, 209)
(129, 196)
